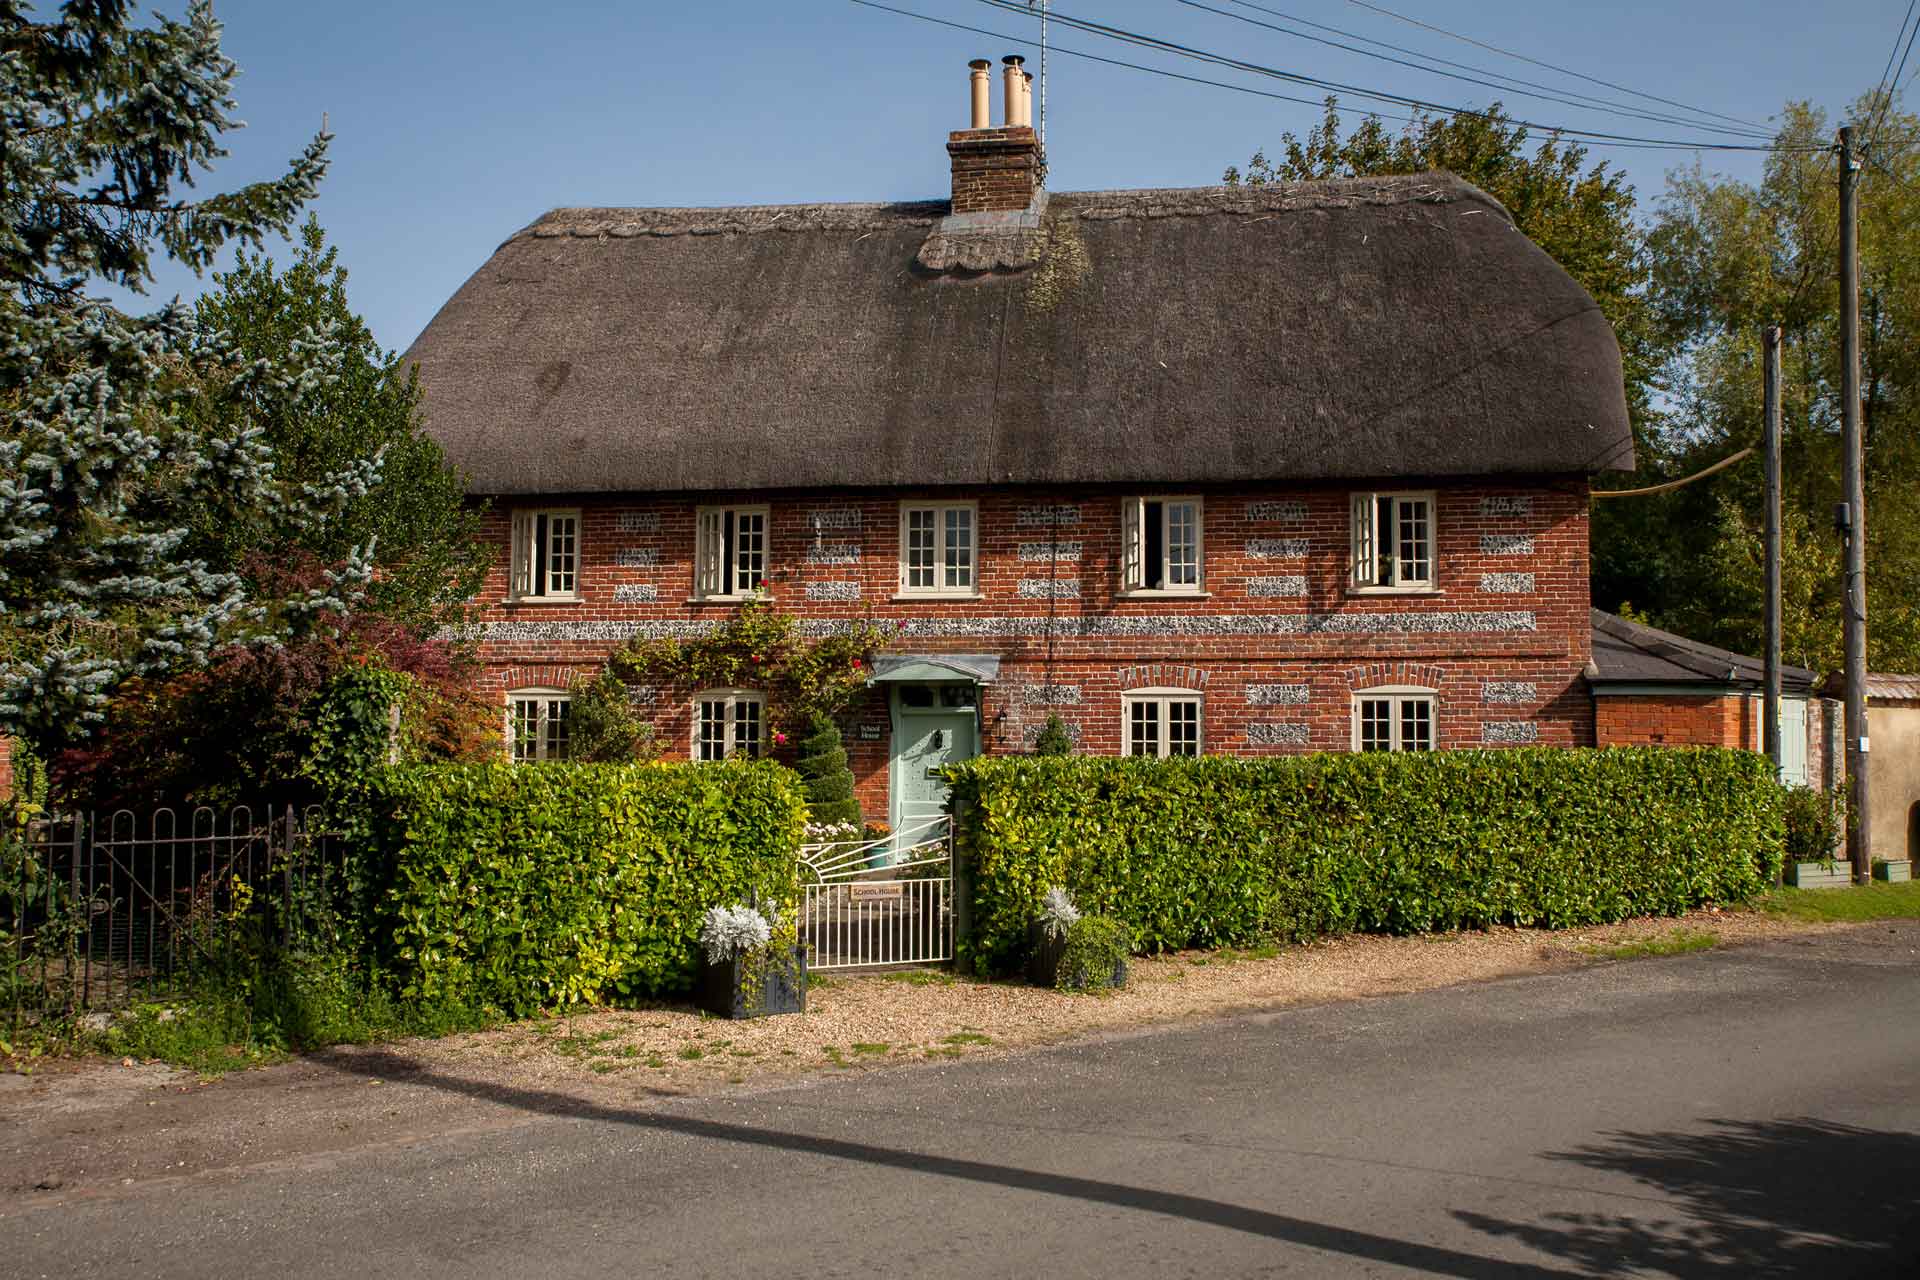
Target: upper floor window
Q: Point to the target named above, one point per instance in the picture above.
(537, 725)
(728, 722)
(1393, 540)
(939, 543)
(545, 555)
(1393, 720)
(1162, 722)
(730, 551)
(1160, 542)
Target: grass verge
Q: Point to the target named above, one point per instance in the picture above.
(1853, 903)
(1677, 943)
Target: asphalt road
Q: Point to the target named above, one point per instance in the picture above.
(1740, 1113)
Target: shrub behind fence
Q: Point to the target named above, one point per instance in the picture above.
(524, 886)
(1217, 851)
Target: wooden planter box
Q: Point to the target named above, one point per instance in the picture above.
(725, 992)
(1812, 875)
(1893, 871)
(1043, 959)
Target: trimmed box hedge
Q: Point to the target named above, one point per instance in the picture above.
(532, 885)
(1217, 852)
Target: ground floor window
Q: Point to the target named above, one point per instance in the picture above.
(728, 722)
(1162, 723)
(1393, 720)
(537, 725)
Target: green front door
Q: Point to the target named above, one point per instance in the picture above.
(927, 736)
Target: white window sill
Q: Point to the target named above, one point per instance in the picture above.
(1163, 593)
(899, 596)
(542, 601)
(748, 598)
(1395, 591)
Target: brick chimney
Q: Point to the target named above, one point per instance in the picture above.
(996, 169)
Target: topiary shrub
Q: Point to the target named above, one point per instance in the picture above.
(1053, 739)
(824, 775)
(1095, 957)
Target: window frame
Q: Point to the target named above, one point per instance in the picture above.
(1134, 543)
(1161, 696)
(726, 551)
(903, 580)
(548, 697)
(1398, 696)
(528, 542)
(1363, 562)
(731, 698)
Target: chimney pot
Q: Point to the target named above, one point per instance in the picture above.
(982, 91)
(1014, 89)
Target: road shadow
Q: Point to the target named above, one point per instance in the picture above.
(1430, 1259)
(1799, 1197)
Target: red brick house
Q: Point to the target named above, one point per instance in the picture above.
(1302, 468)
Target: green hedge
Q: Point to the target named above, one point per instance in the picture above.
(527, 886)
(1216, 851)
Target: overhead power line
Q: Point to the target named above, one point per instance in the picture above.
(1594, 136)
(1505, 84)
(1565, 71)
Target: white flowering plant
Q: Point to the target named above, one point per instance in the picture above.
(1057, 913)
(727, 933)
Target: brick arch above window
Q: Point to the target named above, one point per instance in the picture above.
(1375, 675)
(536, 675)
(1162, 675)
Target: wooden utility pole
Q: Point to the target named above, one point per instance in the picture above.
(1770, 347)
(1853, 517)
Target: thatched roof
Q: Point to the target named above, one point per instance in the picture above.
(1371, 328)
(1633, 653)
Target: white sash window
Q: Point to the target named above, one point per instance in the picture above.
(730, 551)
(545, 555)
(939, 548)
(727, 723)
(1393, 541)
(536, 725)
(1161, 722)
(1160, 541)
(1393, 720)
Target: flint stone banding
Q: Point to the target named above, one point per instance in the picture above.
(637, 558)
(1030, 517)
(635, 592)
(1509, 732)
(1279, 735)
(1277, 548)
(1506, 584)
(638, 522)
(833, 591)
(1045, 588)
(1512, 504)
(1131, 626)
(1267, 588)
(1050, 695)
(1509, 691)
(1042, 552)
(834, 553)
(834, 518)
(1284, 511)
(1506, 544)
(1279, 695)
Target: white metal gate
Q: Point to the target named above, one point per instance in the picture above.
(879, 902)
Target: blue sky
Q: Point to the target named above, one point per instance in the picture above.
(460, 121)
